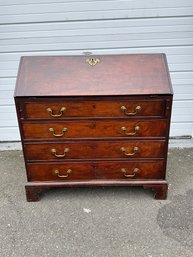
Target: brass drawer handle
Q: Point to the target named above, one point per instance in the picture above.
(135, 171)
(58, 135)
(57, 172)
(53, 151)
(137, 110)
(136, 129)
(60, 113)
(135, 150)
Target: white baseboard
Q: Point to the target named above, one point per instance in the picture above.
(181, 143)
(10, 146)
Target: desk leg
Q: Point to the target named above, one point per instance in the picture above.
(33, 193)
(160, 190)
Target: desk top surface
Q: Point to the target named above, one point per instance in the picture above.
(127, 74)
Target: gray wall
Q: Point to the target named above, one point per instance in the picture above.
(56, 27)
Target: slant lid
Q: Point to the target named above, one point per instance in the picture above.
(135, 74)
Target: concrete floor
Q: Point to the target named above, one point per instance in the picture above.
(105, 222)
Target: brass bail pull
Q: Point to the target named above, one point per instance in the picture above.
(53, 151)
(57, 173)
(137, 110)
(59, 114)
(136, 130)
(132, 175)
(135, 150)
(59, 134)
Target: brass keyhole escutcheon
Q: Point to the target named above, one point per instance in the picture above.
(92, 61)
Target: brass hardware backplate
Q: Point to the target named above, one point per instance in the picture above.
(92, 61)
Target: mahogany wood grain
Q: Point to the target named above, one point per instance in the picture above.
(94, 150)
(38, 110)
(94, 170)
(98, 129)
(134, 74)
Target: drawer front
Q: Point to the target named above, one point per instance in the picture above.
(95, 150)
(98, 170)
(129, 108)
(64, 171)
(100, 129)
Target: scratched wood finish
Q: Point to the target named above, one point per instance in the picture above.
(136, 74)
(38, 110)
(94, 150)
(98, 129)
(94, 170)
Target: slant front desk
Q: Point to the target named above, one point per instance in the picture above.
(94, 121)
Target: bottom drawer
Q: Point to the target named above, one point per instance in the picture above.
(96, 170)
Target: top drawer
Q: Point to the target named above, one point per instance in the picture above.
(74, 109)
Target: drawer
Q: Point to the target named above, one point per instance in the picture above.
(70, 171)
(95, 150)
(95, 129)
(65, 109)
